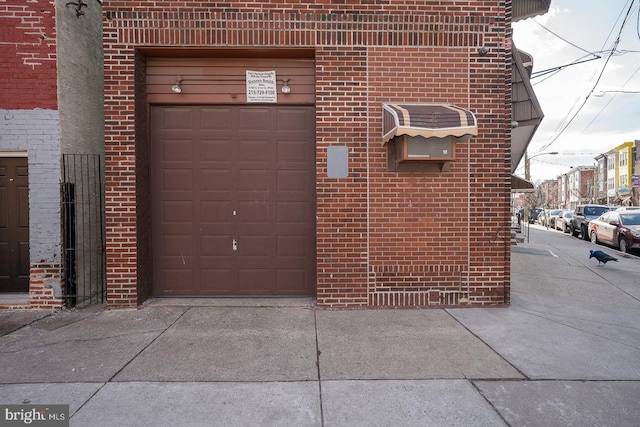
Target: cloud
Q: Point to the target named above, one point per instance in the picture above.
(603, 122)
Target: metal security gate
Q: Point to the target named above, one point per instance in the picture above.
(83, 237)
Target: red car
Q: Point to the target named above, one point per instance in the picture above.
(618, 229)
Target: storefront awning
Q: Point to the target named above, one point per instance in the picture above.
(427, 120)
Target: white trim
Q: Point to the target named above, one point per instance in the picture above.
(13, 154)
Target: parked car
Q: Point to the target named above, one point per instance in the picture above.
(582, 215)
(551, 218)
(618, 229)
(533, 214)
(563, 222)
(628, 208)
(542, 217)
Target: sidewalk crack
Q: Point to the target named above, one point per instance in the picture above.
(318, 352)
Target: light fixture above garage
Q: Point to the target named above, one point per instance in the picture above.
(176, 88)
(285, 87)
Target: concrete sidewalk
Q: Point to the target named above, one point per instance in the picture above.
(567, 352)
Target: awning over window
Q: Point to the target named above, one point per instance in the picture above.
(522, 9)
(427, 120)
(525, 109)
(521, 185)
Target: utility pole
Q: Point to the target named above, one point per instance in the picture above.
(527, 175)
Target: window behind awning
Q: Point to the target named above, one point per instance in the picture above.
(427, 120)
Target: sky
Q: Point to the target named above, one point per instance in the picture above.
(583, 114)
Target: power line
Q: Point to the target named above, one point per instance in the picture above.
(611, 100)
(563, 39)
(638, 24)
(555, 70)
(570, 120)
(580, 60)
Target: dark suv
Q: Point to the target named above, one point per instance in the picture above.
(582, 216)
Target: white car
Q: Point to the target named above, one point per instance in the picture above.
(563, 222)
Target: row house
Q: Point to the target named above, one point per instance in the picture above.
(548, 194)
(609, 182)
(602, 162)
(325, 149)
(615, 171)
(623, 173)
(51, 150)
(579, 188)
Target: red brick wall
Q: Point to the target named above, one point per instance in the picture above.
(28, 76)
(586, 183)
(383, 238)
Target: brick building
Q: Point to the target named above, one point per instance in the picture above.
(50, 106)
(246, 150)
(356, 152)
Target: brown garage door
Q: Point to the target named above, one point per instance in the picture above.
(233, 196)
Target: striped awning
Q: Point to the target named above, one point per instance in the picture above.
(427, 120)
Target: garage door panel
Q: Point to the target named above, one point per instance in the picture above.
(292, 152)
(246, 181)
(216, 180)
(253, 212)
(179, 245)
(218, 151)
(219, 245)
(256, 281)
(292, 246)
(255, 119)
(293, 120)
(176, 118)
(254, 151)
(215, 212)
(177, 150)
(178, 281)
(177, 211)
(177, 180)
(218, 119)
(254, 246)
(292, 212)
(293, 180)
(254, 182)
(290, 278)
(224, 279)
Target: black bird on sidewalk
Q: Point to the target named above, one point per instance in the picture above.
(602, 257)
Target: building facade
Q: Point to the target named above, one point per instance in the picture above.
(221, 181)
(29, 156)
(624, 171)
(50, 105)
(580, 186)
(601, 179)
(357, 153)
